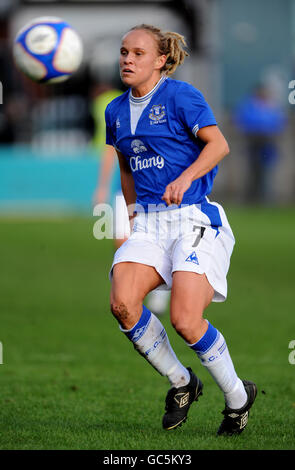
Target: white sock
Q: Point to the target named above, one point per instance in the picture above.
(150, 339)
(213, 352)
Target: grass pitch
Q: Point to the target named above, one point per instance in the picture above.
(71, 380)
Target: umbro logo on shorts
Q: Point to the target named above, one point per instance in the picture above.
(193, 258)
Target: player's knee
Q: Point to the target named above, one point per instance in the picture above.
(181, 326)
(121, 313)
(187, 325)
(126, 311)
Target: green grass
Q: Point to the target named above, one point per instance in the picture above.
(71, 380)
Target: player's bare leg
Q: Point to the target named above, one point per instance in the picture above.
(191, 294)
(131, 282)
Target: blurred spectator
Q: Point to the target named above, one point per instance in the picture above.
(109, 175)
(261, 120)
(102, 95)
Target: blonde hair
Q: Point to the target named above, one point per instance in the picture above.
(170, 44)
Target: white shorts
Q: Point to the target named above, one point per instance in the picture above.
(182, 239)
(121, 219)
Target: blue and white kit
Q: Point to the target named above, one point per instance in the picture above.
(158, 136)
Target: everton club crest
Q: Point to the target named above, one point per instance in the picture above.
(157, 114)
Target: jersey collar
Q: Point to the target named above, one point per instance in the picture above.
(142, 99)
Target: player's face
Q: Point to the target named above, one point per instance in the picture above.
(140, 63)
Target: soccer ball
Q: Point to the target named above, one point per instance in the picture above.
(48, 50)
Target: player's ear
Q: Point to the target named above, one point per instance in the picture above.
(160, 61)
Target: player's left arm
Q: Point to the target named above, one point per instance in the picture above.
(215, 149)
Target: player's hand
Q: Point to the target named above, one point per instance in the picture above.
(175, 190)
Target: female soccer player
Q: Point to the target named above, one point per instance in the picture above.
(169, 146)
(109, 182)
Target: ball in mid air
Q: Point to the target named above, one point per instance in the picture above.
(48, 50)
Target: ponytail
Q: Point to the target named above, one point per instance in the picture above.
(170, 44)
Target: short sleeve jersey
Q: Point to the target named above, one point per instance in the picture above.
(164, 142)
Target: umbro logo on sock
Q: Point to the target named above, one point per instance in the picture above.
(193, 258)
(138, 333)
(182, 399)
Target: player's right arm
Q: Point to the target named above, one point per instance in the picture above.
(127, 184)
(105, 173)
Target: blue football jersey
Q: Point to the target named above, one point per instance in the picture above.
(164, 142)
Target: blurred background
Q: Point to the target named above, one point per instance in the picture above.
(69, 379)
(241, 57)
